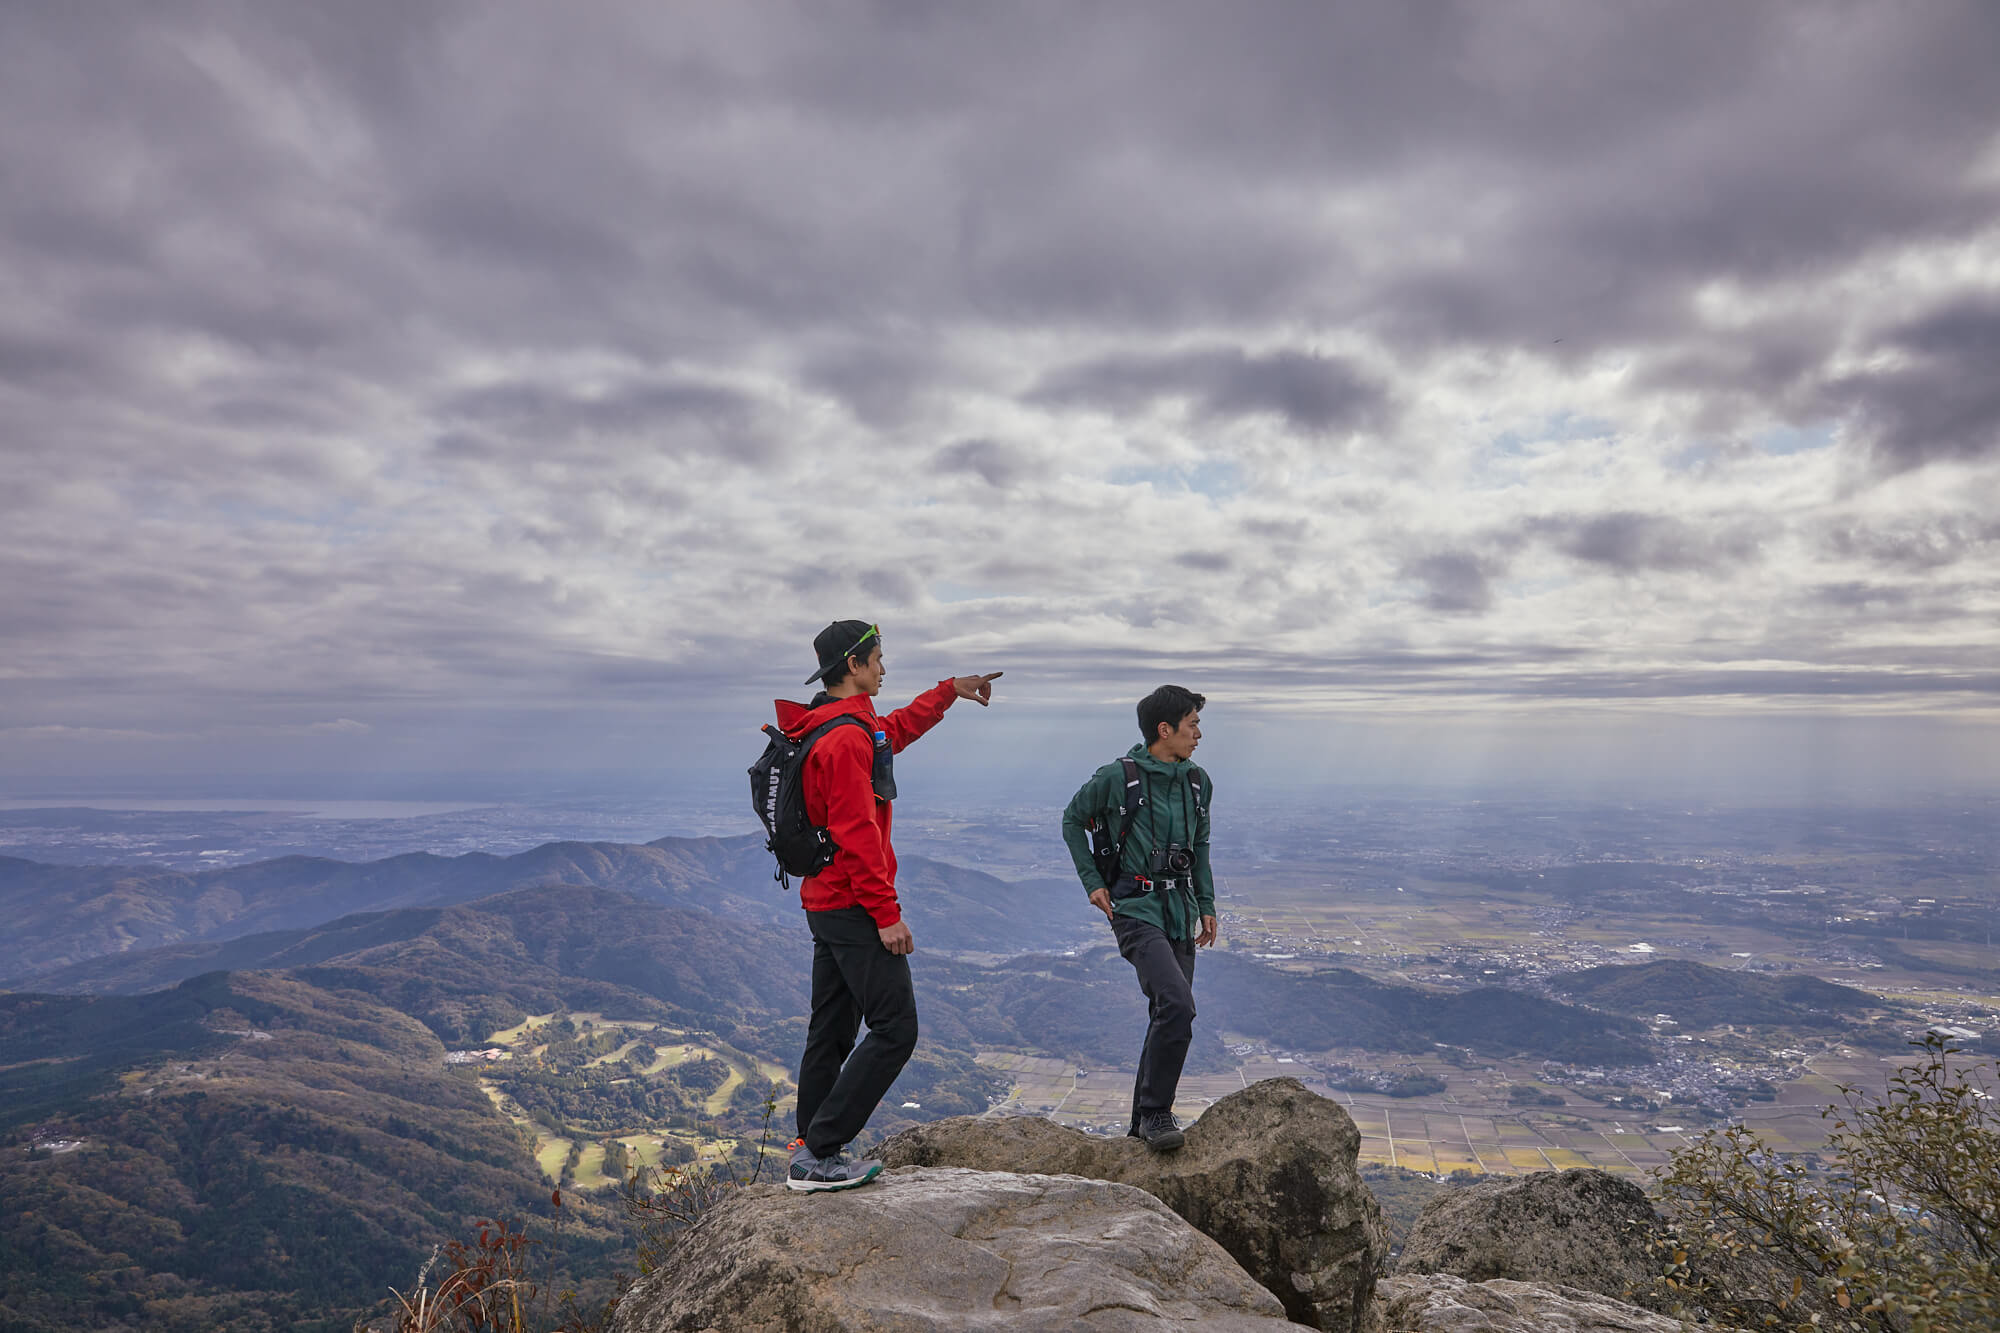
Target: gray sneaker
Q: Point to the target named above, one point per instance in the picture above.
(1160, 1131)
(838, 1172)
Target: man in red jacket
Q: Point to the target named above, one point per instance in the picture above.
(861, 944)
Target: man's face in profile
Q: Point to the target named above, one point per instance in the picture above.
(1178, 744)
(867, 676)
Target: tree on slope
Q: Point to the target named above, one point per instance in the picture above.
(1902, 1233)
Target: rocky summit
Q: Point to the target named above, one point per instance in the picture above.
(941, 1250)
(1581, 1228)
(1259, 1223)
(1268, 1173)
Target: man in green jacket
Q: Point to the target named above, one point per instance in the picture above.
(1161, 904)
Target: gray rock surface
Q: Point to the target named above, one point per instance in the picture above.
(1582, 1228)
(947, 1251)
(1268, 1173)
(1440, 1303)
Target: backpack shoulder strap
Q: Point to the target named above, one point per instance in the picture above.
(1198, 780)
(1134, 797)
(805, 741)
(1135, 789)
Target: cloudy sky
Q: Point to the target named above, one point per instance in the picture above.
(391, 387)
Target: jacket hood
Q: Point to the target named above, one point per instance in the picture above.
(796, 719)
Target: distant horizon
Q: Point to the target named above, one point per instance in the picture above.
(345, 795)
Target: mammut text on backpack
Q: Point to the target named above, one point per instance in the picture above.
(777, 794)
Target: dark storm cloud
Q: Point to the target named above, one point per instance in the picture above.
(27, 359)
(1455, 582)
(1628, 542)
(1775, 362)
(1615, 197)
(1207, 562)
(1862, 596)
(1286, 531)
(998, 465)
(702, 417)
(1941, 397)
(880, 380)
(895, 588)
(1314, 393)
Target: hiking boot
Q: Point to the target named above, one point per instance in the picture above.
(835, 1172)
(1159, 1131)
(800, 1153)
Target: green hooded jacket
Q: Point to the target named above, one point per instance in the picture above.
(1171, 814)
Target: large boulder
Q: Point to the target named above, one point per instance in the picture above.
(951, 1251)
(1582, 1228)
(1440, 1303)
(1268, 1173)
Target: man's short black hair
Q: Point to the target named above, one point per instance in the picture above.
(1168, 704)
(836, 643)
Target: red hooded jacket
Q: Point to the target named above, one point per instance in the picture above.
(840, 797)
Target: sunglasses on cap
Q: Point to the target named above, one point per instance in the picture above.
(874, 632)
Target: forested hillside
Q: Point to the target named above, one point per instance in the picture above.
(255, 1152)
(258, 1149)
(1699, 996)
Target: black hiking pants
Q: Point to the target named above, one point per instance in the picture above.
(1166, 975)
(853, 979)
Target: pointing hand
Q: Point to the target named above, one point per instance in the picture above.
(976, 687)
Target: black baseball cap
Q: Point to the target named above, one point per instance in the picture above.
(839, 641)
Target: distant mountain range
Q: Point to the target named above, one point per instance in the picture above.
(64, 917)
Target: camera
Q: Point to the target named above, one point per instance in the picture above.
(1172, 861)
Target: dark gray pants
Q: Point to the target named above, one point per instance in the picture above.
(853, 978)
(1166, 975)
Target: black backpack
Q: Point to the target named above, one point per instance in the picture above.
(778, 795)
(1109, 853)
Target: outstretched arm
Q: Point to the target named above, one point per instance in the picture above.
(924, 712)
(919, 715)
